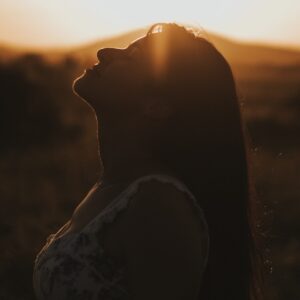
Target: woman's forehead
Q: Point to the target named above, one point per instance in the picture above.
(145, 40)
(138, 42)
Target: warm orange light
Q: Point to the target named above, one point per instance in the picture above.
(159, 52)
(45, 23)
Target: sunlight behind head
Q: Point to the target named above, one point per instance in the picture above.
(160, 51)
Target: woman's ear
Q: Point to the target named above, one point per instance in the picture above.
(157, 108)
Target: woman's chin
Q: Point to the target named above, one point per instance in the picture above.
(79, 87)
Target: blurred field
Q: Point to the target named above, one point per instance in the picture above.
(49, 152)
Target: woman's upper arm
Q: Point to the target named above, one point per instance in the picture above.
(163, 244)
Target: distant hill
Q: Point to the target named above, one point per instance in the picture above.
(238, 53)
(118, 41)
(249, 53)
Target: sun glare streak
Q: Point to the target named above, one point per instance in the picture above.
(159, 52)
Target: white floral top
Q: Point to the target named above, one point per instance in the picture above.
(75, 266)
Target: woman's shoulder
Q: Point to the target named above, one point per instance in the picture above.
(164, 238)
(159, 190)
(158, 183)
(165, 200)
(164, 194)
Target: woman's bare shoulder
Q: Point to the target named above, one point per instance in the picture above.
(162, 243)
(162, 198)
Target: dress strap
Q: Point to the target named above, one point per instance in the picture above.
(122, 201)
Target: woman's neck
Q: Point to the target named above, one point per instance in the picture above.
(124, 152)
(126, 170)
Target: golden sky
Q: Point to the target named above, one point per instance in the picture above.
(44, 23)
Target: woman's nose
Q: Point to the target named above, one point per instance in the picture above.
(105, 55)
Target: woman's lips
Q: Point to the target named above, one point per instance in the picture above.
(93, 71)
(97, 69)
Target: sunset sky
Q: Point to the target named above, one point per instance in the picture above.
(44, 23)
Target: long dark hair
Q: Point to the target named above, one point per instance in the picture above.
(205, 144)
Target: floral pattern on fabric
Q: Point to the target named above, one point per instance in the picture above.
(75, 266)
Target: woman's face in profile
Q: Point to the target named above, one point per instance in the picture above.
(118, 77)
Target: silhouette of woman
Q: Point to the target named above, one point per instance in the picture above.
(171, 216)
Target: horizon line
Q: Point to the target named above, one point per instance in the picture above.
(65, 47)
